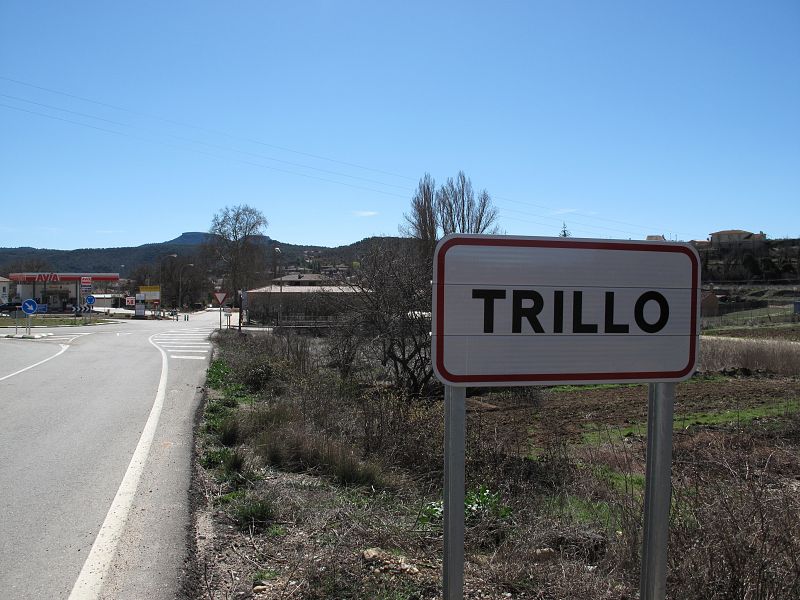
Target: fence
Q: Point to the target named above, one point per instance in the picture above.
(772, 314)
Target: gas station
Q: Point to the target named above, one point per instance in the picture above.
(59, 291)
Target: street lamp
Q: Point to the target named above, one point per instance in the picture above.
(180, 284)
(160, 283)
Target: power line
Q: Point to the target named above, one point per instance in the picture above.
(210, 145)
(626, 231)
(243, 161)
(564, 217)
(572, 218)
(208, 130)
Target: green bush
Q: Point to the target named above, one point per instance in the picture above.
(228, 431)
(215, 457)
(255, 513)
(218, 374)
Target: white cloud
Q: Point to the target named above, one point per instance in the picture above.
(564, 211)
(365, 213)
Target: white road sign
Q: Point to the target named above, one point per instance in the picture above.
(525, 311)
(220, 296)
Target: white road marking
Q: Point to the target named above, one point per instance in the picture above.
(90, 580)
(67, 338)
(188, 357)
(173, 346)
(64, 348)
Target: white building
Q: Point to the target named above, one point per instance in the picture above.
(5, 290)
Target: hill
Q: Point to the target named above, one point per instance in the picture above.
(126, 260)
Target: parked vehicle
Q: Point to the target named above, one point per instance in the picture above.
(10, 306)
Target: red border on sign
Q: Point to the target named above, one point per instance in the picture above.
(552, 377)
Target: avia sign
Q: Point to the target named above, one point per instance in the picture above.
(525, 311)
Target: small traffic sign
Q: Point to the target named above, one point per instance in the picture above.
(89, 300)
(220, 296)
(130, 300)
(41, 308)
(29, 306)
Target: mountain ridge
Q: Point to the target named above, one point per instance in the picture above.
(126, 259)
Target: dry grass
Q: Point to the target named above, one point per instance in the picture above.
(771, 356)
(341, 465)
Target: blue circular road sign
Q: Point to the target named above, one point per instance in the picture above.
(29, 306)
(89, 300)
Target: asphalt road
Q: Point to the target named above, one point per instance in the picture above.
(95, 454)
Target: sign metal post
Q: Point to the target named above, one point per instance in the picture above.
(658, 491)
(29, 307)
(220, 297)
(454, 447)
(513, 311)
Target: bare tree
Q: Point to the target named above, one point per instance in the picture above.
(233, 244)
(453, 208)
(387, 315)
(460, 211)
(565, 233)
(422, 222)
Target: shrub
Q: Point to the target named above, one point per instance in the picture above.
(218, 374)
(255, 513)
(228, 431)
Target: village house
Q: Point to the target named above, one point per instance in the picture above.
(730, 238)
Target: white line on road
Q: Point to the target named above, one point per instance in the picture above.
(188, 357)
(173, 346)
(90, 580)
(64, 348)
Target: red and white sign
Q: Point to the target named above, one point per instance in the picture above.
(220, 296)
(526, 311)
(130, 300)
(86, 281)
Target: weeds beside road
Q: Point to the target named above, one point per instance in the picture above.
(318, 486)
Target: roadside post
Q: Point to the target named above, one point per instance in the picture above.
(90, 302)
(86, 291)
(29, 307)
(512, 311)
(139, 305)
(220, 298)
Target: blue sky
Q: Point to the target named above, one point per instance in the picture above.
(129, 123)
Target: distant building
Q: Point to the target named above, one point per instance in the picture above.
(5, 290)
(730, 238)
(302, 279)
(279, 302)
(656, 238)
(60, 290)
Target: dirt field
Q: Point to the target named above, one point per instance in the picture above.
(571, 412)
